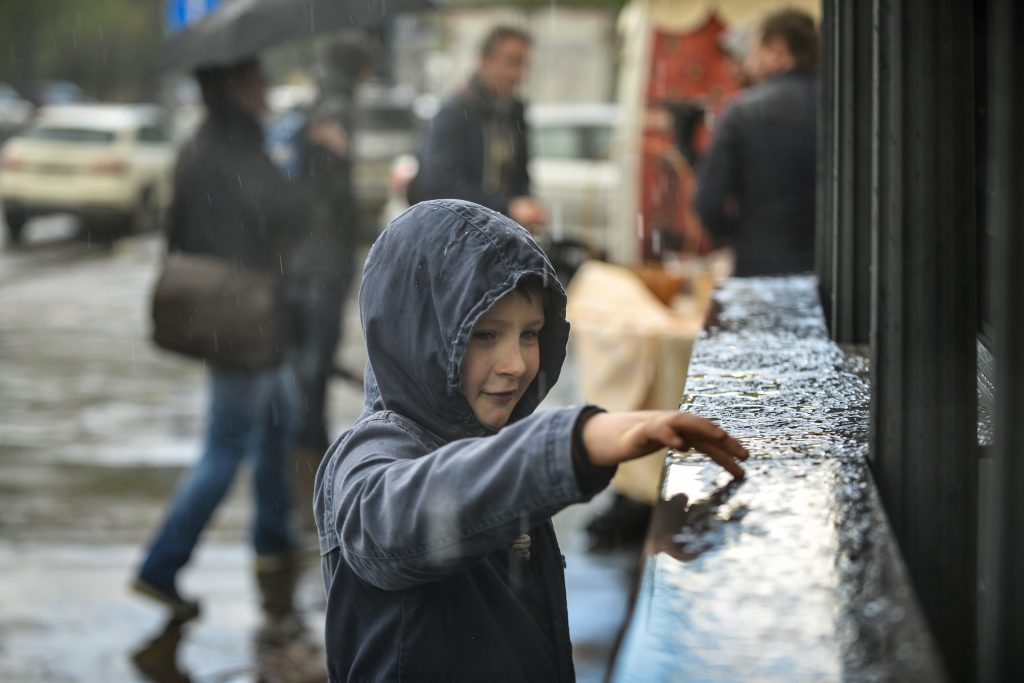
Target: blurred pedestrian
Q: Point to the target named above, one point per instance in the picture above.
(756, 186)
(323, 264)
(434, 509)
(232, 204)
(477, 146)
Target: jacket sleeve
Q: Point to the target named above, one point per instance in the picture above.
(718, 180)
(445, 166)
(404, 520)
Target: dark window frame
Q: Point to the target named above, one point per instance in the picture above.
(896, 260)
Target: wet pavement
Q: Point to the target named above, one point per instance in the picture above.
(96, 427)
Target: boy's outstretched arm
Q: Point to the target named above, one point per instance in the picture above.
(611, 438)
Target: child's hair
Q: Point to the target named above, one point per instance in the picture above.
(532, 289)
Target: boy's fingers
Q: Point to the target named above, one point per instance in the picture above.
(686, 430)
(731, 452)
(734, 448)
(724, 459)
(713, 441)
(700, 429)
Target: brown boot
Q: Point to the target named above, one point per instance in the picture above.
(277, 576)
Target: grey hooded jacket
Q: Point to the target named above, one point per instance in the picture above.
(418, 504)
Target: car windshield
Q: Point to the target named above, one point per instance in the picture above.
(68, 134)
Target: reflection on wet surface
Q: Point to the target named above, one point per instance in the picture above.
(157, 659)
(96, 428)
(790, 574)
(986, 395)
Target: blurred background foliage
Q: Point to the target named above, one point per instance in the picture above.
(108, 47)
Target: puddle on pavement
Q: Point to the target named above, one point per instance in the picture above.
(98, 426)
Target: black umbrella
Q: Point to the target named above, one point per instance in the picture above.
(243, 28)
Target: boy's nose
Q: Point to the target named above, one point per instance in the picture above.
(512, 362)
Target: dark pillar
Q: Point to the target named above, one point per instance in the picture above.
(924, 364)
(851, 258)
(828, 142)
(846, 100)
(1003, 650)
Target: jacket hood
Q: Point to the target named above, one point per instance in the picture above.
(428, 278)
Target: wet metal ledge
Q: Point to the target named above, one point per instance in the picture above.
(792, 574)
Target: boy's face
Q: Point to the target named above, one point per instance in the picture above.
(503, 357)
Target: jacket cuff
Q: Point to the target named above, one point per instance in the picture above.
(590, 478)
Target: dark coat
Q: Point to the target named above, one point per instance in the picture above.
(452, 156)
(762, 157)
(327, 251)
(417, 504)
(229, 199)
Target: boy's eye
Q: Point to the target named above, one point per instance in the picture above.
(483, 335)
(531, 335)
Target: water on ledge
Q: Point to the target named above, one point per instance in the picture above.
(790, 574)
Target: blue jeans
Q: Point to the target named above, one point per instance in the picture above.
(251, 413)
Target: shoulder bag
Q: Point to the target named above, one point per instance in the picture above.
(206, 308)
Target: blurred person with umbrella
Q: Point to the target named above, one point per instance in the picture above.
(240, 28)
(230, 203)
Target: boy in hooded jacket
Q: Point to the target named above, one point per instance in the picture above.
(433, 510)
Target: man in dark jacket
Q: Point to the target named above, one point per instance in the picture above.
(755, 189)
(477, 146)
(231, 203)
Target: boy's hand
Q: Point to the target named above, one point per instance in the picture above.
(611, 438)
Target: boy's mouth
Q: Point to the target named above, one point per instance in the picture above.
(500, 396)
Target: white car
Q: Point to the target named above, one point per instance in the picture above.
(111, 165)
(572, 168)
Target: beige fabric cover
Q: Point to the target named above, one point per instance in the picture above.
(632, 352)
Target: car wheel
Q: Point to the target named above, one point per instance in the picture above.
(15, 226)
(146, 216)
